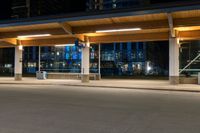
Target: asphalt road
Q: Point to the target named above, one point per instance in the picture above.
(62, 109)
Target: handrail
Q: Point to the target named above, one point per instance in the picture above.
(189, 64)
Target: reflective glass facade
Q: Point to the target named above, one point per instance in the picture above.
(117, 59)
(64, 59)
(134, 59)
(61, 59)
(190, 56)
(7, 62)
(30, 60)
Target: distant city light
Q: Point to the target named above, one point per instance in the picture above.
(148, 68)
(33, 36)
(118, 30)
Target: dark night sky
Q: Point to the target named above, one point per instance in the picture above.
(67, 6)
(5, 9)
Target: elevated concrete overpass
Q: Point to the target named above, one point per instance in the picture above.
(171, 23)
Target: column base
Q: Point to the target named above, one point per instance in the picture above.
(98, 77)
(18, 77)
(85, 78)
(174, 80)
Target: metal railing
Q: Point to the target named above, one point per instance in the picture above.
(190, 63)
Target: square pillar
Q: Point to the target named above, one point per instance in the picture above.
(18, 63)
(85, 65)
(174, 60)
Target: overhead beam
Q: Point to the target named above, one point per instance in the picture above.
(143, 25)
(80, 30)
(11, 41)
(171, 25)
(187, 22)
(55, 31)
(164, 36)
(189, 35)
(4, 44)
(99, 39)
(48, 42)
(185, 35)
(67, 28)
(130, 38)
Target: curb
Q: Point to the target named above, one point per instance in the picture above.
(117, 87)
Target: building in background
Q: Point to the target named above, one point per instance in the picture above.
(20, 8)
(95, 5)
(34, 8)
(114, 4)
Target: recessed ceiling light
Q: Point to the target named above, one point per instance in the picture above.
(118, 30)
(33, 36)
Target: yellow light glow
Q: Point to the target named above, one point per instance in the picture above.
(63, 45)
(33, 36)
(118, 30)
(20, 47)
(187, 28)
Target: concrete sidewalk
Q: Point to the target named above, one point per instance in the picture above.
(109, 83)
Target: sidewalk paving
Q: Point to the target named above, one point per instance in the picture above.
(109, 83)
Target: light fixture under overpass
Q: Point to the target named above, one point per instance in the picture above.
(63, 45)
(33, 36)
(20, 47)
(118, 30)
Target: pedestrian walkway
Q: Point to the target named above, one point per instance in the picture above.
(109, 83)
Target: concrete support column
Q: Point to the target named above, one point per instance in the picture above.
(174, 61)
(18, 63)
(85, 68)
